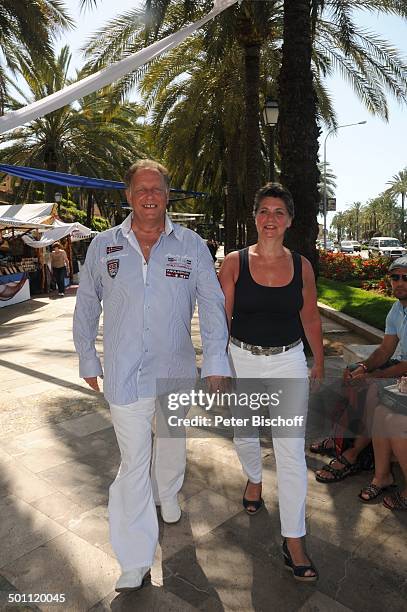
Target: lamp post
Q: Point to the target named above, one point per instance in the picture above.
(58, 199)
(270, 116)
(325, 194)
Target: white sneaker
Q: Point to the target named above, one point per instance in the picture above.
(132, 580)
(170, 511)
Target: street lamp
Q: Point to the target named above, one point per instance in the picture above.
(270, 116)
(58, 199)
(325, 194)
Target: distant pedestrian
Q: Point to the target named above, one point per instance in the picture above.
(213, 247)
(60, 266)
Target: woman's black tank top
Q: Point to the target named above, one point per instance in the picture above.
(267, 316)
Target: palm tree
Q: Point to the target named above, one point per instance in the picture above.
(371, 65)
(27, 27)
(298, 130)
(91, 139)
(398, 186)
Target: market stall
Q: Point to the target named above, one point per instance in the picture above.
(20, 267)
(25, 236)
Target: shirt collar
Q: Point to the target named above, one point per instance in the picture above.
(169, 227)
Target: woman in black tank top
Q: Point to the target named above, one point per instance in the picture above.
(270, 296)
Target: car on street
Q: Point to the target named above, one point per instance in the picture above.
(329, 246)
(347, 246)
(357, 247)
(386, 246)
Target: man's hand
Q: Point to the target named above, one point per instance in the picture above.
(92, 381)
(217, 383)
(358, 373)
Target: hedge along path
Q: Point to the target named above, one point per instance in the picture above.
(366, 306)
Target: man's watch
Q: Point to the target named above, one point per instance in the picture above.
(364, 366)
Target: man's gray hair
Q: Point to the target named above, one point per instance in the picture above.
(146, 164)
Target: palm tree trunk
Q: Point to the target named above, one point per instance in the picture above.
(298, 131)
(403, 197)
(232, 193)
(253, 139)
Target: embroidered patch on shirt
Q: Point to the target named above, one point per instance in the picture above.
(113, 267)
(113, 249)
(178, 266)
(177, 273)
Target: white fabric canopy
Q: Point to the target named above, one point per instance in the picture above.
(77, 231)
(105, 77)
(28, 213)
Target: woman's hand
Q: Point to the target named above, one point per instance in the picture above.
(316, 376)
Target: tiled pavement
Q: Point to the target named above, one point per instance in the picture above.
(58, 455)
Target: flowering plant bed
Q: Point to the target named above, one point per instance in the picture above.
(339, 266)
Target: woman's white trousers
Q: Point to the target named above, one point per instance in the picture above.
(288, 451)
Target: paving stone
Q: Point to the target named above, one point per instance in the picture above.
(150, 598)
(23, 528)
(17, 480)
(343, 520)
(67, 564)
(318, 602)
(387, 548)
(354, 582)
(59, 507)
(206, 510)
(82, 426)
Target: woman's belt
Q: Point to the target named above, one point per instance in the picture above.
(265, 350)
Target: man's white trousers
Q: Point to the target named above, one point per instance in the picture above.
(148, 474)
(288, 451)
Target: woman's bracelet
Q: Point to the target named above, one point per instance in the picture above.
(364, 366)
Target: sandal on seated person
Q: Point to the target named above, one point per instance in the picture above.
(373, 491)
(397, 502)
(299, 571)
(252, 506)
(325, 447)
(338, 474)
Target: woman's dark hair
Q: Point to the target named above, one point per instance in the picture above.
(274, 190)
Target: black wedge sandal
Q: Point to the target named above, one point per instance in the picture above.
(298, 571)
(257, 504)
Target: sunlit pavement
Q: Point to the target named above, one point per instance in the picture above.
(58, 456)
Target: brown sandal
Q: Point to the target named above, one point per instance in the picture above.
(373, 491)
(398, 502)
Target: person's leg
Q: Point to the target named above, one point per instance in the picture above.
(248, 449)
(168, 468)
(61, 279)
(132, 513)
(399, 448)
(351, 454)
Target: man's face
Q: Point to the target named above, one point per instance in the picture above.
(399, 286)
(148, 195)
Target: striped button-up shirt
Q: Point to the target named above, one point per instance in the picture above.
(147, 311)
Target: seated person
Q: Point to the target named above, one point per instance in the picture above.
(378, 365)
(389, 441)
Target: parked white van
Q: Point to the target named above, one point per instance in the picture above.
(387, 246)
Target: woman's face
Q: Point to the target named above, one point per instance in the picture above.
(272, 218)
